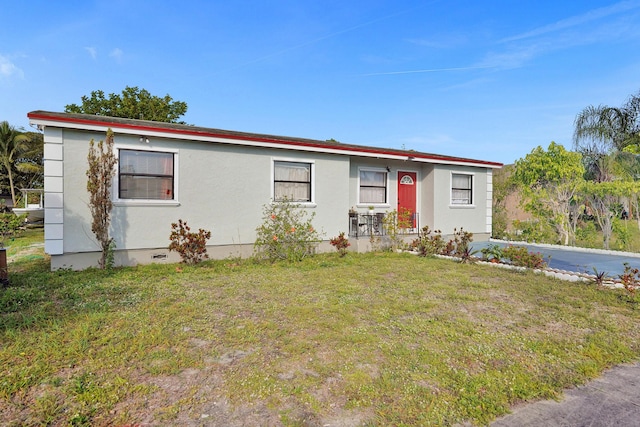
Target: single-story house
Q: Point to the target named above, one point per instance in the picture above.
(220, 180)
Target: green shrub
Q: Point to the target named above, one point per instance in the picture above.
(10, 226)
(395, 225)
(191, 246)
(622, 233)
(587, 234)
(492, 252)
(533, 231)
(521, 257)
(286, 233)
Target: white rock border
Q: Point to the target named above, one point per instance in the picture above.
(569, 276)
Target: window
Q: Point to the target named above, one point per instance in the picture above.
(146, 175)
(373, 186)
(292, 181)
(461, 189)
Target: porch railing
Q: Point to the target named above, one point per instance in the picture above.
(373, 225)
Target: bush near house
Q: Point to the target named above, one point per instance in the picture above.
(431, 243)
(10, 226)
(191, 246)
(521, 257)
(341, 243)
(286, 233)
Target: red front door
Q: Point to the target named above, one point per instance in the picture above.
(407, 190)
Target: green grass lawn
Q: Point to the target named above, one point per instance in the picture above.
(373, 339)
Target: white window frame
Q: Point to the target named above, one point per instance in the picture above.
(312, 163)
(117, 201)
(386, 204)
(473, 187)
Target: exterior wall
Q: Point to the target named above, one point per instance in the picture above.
(434, 195)
(392, 167)
(427, 207)
(476, 217)
(219, 187)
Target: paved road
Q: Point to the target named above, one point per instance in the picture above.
(611, 400)
(579, 260)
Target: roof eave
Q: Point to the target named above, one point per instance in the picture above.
(101, 124)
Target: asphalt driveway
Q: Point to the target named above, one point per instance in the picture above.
(579, 260)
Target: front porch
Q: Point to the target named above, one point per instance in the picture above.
(373, 231)
(378, 224)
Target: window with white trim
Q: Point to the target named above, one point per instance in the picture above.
(145, 175)
(461, 189)
(292, 181)
(373, 186)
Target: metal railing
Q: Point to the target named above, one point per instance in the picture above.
(373, 225)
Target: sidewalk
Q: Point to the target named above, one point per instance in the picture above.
(610, 400)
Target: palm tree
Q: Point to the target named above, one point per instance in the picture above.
(29, 164)
(12, 144)
(603, 130)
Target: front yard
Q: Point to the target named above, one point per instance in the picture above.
(370, 339)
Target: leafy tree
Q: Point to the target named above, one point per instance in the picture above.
(603, 197)
(503, 186)
(12, 144)
(134, 103)
(102, 162)
(549, 182)
(602, 130)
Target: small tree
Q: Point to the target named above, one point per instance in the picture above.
(102, 162)
(603, 197)
(503, 186)
(133, 103)
(549, 181)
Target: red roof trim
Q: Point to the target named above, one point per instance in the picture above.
(371, 150)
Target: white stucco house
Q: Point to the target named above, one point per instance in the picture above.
(220, 180)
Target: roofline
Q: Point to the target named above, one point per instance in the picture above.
(166, 130)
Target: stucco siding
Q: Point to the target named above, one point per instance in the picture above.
(448, 216)
(392, 167)
(221, 188)
(427, 197)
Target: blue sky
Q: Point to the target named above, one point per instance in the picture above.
(488, 80)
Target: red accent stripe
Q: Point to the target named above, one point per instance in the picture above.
(245, 137)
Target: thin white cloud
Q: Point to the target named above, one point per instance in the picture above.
(565, 34)
(446, 41)
(514, 58)
(430, 70)
(8, 68)
(329, 36)
(116, 54)
(93, 52)
(574, 21)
